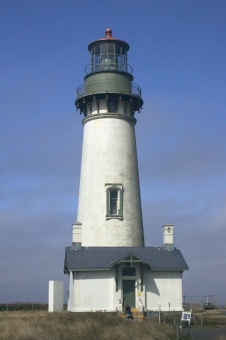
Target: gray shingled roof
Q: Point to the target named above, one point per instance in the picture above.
(106, 257)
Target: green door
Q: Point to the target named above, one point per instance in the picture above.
(129, 292)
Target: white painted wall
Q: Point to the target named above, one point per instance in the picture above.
(163, 290)
(167, 234)
(56, 294)
(70, 305)
(93, 291)
(109, 156)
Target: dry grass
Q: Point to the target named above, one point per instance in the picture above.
(211, 318)
(85, 326)
(33, 325)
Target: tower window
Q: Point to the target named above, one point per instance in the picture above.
(114, 201)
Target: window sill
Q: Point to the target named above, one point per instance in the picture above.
(117, 217)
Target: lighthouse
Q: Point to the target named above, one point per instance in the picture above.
(107, 263)
(109, 205)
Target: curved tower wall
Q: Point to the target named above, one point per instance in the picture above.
(109, 157)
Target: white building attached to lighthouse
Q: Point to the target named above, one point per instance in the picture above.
(108, 264)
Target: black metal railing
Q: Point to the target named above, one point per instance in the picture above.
(108, 66)
(110, 86)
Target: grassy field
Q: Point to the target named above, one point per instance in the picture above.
(39, 324)
(85, 326)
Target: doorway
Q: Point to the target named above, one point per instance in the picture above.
(129, 293)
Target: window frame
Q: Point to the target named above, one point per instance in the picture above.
(114, 187)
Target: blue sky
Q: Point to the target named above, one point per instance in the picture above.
(178, 53)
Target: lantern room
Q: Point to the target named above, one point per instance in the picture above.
(108, 86)
(109, 53)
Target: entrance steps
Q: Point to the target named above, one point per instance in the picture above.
(137, 315)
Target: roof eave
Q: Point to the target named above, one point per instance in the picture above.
(119, 260)
(88, 269)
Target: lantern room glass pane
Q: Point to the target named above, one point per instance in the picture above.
(108, 56)
(95, 58)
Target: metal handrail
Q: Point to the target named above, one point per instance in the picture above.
(136, 89)
(109, 67)
(100, 86)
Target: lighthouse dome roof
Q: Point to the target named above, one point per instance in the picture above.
(108, 37)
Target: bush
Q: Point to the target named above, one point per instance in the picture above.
(19, 306)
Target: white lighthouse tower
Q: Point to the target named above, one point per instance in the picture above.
(109, 207)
